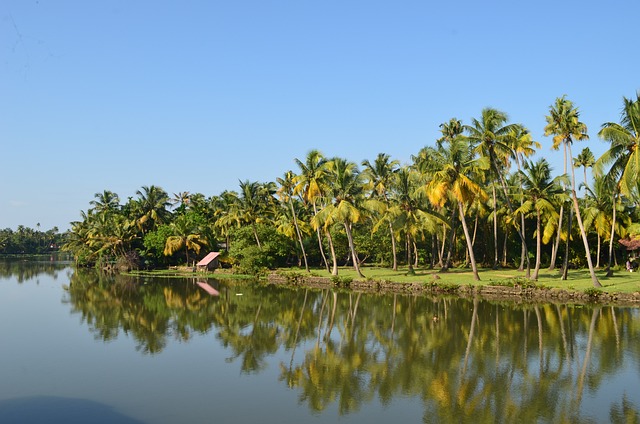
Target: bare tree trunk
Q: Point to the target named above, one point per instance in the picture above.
(613, 232)
(393, 248)
(472, 257)
(495, 227)
(565, 262)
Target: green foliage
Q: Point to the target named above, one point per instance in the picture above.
(340, 281)
(593, 292)
(154, 242)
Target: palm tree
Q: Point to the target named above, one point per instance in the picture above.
(408, 209)
(600, 212)
(346, 192)
(106, 202)
(380, 176)
(490, 135)
(522, 146)
(254, 200)
(453, 181)
(310, 186)
(564, 124)
(181, 199)
(186, 234)
(542, 194)
(285, 192)
(151, 207)
(623, 155)
(585, 160)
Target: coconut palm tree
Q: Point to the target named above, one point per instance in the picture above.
(380, 176)
(285, 192)
(408, 209)
(186, 234)
(346, 193)
(106, 202)
(522, 146)
(490, 136)
(585, 160)
(453, 182)
(564, 124)
(151, 207)
(252, 204)
(623, 157)
(310, 185)
(542, 194)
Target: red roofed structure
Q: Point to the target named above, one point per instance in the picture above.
(209, 262)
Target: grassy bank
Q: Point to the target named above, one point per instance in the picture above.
(578, 280)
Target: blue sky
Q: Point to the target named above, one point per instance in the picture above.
(197, 95)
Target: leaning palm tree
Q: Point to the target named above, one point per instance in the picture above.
(380, 177)
(310, 183)
(490, 135)
(522, 146)
(564, 124)
(453, 182)
(542, 193)
(346, 193)
(285, 192)
(623, 156)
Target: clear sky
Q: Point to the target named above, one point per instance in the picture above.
(197, 95)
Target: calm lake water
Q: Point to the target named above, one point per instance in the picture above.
(81, 347)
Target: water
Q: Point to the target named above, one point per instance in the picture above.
(80, 347)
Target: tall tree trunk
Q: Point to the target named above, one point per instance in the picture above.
(583, 233)
(538, 245)
(613, 232)
(556, 244)
(598, 251)
(495, 227)
(393, 248)
(447, 262)
(472, 257)
(299, 234)
(255, 234)
(352, 247)
(324, 257)
(334, 269)
(411, 271)
(565, 261)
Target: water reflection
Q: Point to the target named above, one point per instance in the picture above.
(465, 359)
(25, 269)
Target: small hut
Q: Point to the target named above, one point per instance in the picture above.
(209, 262)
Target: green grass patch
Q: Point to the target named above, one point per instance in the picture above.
(577, 280)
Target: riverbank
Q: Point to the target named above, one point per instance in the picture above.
(622, 289)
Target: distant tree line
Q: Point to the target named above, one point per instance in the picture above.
(472, 198)
(25, 240)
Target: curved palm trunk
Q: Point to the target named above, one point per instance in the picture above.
(393, 248)
(556, 244)
(352, 248)
(565, 262)
(538, 246)
(334, 269)
(495, 227)
(324, 257)
(583, 233)
(299, 234)
(472, 257)
(613, 232)
(447, 262)
(255, 234)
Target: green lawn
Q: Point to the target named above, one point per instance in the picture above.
(578, 280)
